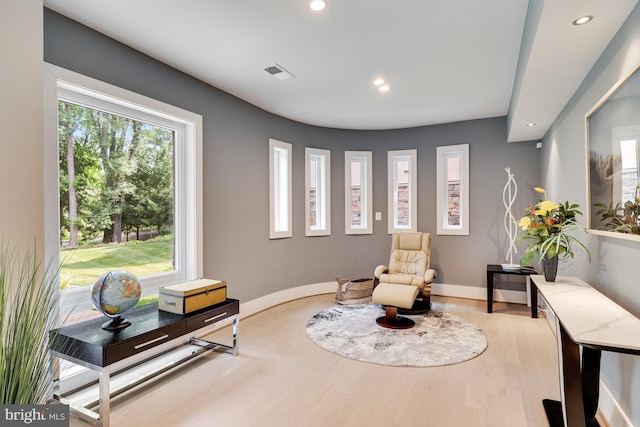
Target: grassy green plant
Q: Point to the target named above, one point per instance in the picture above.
(83, 266)
(146, 300)
(28, 311)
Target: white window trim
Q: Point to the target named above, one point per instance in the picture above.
(413, 190)
(442, 154)
(273, 234)
(323, 196)
(189, 252)
(366, 192)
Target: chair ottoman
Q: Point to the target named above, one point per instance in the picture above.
(393, 296)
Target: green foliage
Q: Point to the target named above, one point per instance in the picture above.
(83, 266)
(28, 309)
(123, 173)
(620, 219)
(151, 204)
(547, 226)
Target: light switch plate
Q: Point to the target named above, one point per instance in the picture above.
(378, 216)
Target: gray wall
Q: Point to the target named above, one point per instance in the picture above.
(614, 268)
(236, 230)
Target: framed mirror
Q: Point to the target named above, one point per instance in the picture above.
(613, 144)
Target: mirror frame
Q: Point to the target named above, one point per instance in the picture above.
(611, 94)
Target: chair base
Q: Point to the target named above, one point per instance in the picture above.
(395, 323)
(392, 321)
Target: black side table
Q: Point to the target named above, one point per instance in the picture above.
(493, 269)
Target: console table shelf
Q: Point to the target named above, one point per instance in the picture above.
(88, 345)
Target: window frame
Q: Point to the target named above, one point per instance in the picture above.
(366, 192)
(323, 193)
(64, 84)
(444, 153)
(274, 195)
(392, 159)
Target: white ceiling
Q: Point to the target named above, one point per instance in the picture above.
(444, 61)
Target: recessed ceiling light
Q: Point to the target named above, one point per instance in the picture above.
(317, 5)
(531, 124)
(582, 20)
(383, 88)
(378, 82)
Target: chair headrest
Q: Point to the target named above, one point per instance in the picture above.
(410, 241)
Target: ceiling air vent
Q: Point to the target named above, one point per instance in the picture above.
(279, 72)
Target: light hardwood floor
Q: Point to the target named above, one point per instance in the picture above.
(282, 378)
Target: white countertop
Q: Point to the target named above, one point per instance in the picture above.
(589, 317)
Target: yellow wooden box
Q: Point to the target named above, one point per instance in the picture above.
(187, 297)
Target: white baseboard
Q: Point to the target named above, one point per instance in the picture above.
(257, 305)
(474, 292)
(609, 409)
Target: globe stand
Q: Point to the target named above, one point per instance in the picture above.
(116, 323)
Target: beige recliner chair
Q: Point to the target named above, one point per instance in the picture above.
(407, 276)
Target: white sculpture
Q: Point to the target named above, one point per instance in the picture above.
(508, 197)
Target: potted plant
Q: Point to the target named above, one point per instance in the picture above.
(547, 226)
(28, 311)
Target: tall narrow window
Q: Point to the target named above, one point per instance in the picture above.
(452, 190)
(279, 189)
(127, 173)
(402, 191)
(358, 200)
(317, 192)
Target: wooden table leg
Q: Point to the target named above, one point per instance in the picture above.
(579, 385)
(534, 298)
(489, 291)
(590, 383)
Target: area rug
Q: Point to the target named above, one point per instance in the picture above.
(438, 339)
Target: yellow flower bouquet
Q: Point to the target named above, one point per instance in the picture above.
(546, 226)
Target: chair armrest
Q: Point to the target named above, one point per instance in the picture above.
(429, 275)
(380, 270)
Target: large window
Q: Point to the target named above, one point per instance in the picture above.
(358, 200)
(452, 192)
(124, 185)
(317, 192)
(280, 207)
(402, 190)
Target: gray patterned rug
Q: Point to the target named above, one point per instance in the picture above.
(438, 338)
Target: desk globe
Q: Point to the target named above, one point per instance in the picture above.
(114, 293)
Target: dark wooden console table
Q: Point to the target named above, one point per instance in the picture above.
(585, 319)
(88, 345)
(493, 269)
